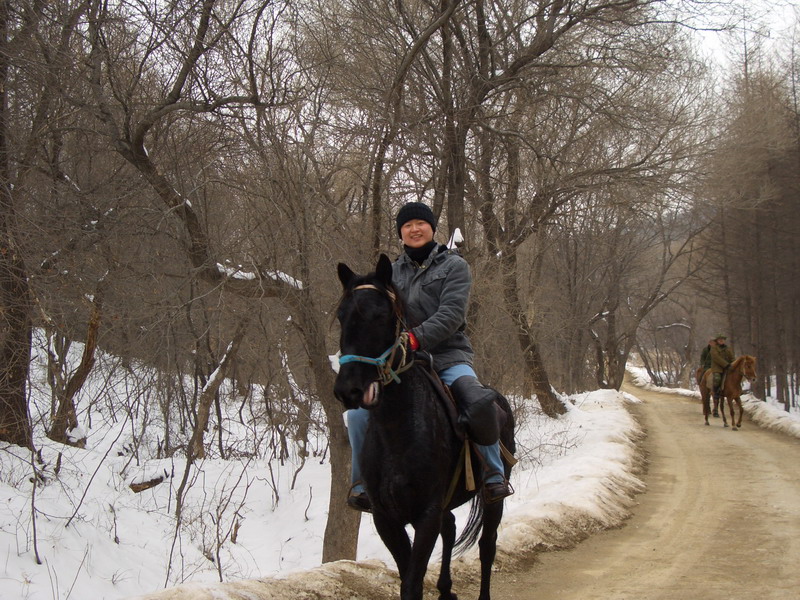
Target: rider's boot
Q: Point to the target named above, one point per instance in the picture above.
(476, 407)
(495, 485)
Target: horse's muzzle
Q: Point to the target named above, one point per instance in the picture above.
(356, 396)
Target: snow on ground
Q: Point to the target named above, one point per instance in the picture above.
(577, 475)
(96, 538)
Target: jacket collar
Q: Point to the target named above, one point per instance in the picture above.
(438, 251)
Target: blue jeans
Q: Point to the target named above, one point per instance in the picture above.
(358, 419)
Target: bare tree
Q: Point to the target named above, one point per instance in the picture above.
(488, 66)
(206, 88)
(755, 252)
(33, 57)
(256, 144)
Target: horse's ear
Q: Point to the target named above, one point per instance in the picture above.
(345, 274)
(384, 270)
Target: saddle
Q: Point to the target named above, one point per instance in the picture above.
(702, 373)
(448, 402)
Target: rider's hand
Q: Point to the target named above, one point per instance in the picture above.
(413, 342)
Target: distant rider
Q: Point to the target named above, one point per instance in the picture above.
(721, 358)
(705, 356)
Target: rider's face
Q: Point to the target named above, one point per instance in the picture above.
(416, 233)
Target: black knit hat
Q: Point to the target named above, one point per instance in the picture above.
(415, 210)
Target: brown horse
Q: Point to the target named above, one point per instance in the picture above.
(743, 367)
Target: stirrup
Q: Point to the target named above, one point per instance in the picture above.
(496, 491)
(359, 500)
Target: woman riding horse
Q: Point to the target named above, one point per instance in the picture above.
(416, 465)
(435, 282)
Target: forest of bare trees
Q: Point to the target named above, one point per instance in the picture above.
(178, 180)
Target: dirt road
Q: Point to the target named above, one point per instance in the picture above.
(720, 520)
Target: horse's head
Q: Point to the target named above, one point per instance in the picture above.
(369, 317)
(749, 368)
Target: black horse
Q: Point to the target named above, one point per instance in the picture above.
(411, 455)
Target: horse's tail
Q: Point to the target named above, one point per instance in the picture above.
(472, 530)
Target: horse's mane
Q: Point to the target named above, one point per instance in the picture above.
(738, 362)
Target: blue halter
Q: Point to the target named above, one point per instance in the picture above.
(380, 362)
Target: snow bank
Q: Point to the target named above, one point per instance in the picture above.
(771, 415)
(589, 484)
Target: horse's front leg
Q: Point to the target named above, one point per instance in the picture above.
(733, 413)
(394, 536)
(426, 532)
(445, 583)
(734, 418)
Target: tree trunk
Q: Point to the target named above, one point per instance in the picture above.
(16, 306)
(540, 382)
(66, 417)
(341, 531)
(196, 449)
(15, 341)
(618, 357)
(377, 190)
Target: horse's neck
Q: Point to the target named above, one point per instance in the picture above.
(397, 401)
(736, 367)
(735, 373)
(405, 408)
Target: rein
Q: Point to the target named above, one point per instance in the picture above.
(385, 361)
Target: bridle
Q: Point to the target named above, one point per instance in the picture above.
(743, 361)
(387, 373)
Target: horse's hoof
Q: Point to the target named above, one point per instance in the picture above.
(734, 428)
(706, 423)
(716, 414)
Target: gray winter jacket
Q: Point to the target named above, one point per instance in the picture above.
(437, 296)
